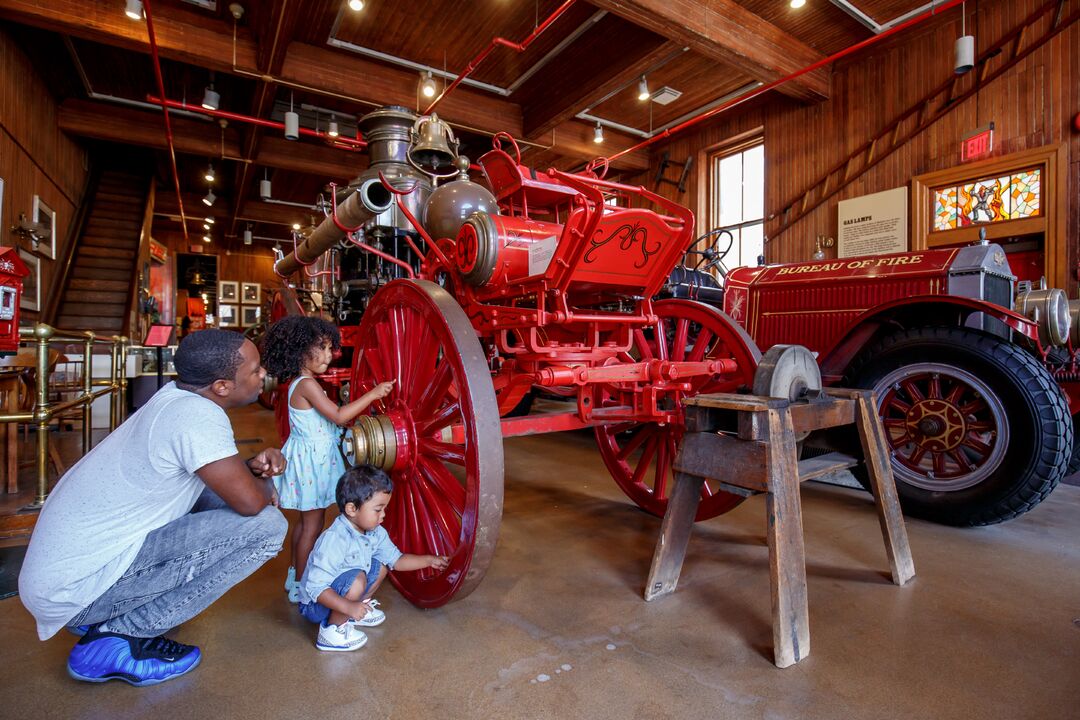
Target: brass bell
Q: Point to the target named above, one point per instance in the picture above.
(433, 144)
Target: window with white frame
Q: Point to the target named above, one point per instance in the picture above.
(737, 200)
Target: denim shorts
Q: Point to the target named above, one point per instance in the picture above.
(319, 613)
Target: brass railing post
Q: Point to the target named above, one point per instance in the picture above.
(88, 388)
(114, 353)
(41, 413)
(123, 378)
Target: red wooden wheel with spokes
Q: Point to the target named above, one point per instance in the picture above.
(447, 465)
(640, 455)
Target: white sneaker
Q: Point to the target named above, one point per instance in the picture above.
(294, 594)
(340, 638)
(374, 617)
(290, 579)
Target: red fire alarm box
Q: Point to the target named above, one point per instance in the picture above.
(12, 272)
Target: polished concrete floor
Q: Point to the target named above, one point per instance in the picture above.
(990, 627)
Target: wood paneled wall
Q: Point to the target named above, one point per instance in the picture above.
(36, 158)
(1032, 105)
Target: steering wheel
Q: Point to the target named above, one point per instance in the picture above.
(710, 255)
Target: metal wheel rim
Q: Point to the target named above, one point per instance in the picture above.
(981, 410)
(415, 332)
(624, 444)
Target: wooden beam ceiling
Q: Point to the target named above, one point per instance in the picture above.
(305, 67)
(727, 32)
(103, 121)
(616, 52)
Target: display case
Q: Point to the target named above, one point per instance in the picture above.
(146, 361)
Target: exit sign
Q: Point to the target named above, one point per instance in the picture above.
(977, 144)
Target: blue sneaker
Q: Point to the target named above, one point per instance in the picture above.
(78, 630)
(104, 656)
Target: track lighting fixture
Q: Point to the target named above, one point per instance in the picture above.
(427, 84)
(964, 48)
(332, 131)
(643, 90)
(211, 98)
(247, 235)
(356, 5)
(210, 198)
(207, 238)
(796, 4)
(209, 173)
(210, 220)
(265, 190)
(296, 226)
(133, 9)
(292, 122)
(598, 134)
(206, 226)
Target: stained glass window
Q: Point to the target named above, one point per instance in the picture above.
(992, 199)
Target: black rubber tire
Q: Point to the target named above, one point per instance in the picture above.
(1039, 426)
(1074, 458)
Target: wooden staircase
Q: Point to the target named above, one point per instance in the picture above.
(99, 284)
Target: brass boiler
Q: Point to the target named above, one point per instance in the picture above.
(365, 203)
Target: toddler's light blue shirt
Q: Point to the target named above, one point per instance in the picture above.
(343, 547)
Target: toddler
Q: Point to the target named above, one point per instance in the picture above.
(350, 560)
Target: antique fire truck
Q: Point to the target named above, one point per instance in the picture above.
(969, 375)
(539, 282)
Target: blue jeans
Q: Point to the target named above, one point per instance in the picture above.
(183, 567)
(319, 613)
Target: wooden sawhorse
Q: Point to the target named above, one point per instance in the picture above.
(763, 459)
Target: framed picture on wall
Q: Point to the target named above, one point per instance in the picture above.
(31, 297)
(252, 293)
(228, 315)
(251, 315)
(228, 291)
(45, 217)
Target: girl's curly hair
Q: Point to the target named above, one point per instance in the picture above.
(293, 339)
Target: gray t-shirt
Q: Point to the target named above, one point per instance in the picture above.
(138, 479)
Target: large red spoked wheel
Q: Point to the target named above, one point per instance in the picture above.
(640, 455)
(448, 466)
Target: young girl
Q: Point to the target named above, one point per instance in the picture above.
(300, 348)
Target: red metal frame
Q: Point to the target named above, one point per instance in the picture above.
(553, 329)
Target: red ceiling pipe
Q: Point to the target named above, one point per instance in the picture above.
(339, 140)
(495, 42)
(165, 112)
(775, 83)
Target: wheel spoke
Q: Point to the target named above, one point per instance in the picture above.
(436, 391)
(971, 408)
(939, 464)
(934, 390)
(447, 452)
(445, 482)
(916, 457)
(644, 461)
(640, 436)
(445, 518)
(642, 344)
(447, 415)
(978, 446)
(891, 402)
(660, 336)
(701, 345)
(912, 390)
(955, 394)
(682, 327)
(961, 460)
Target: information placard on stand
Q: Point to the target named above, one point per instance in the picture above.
(160, 337)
